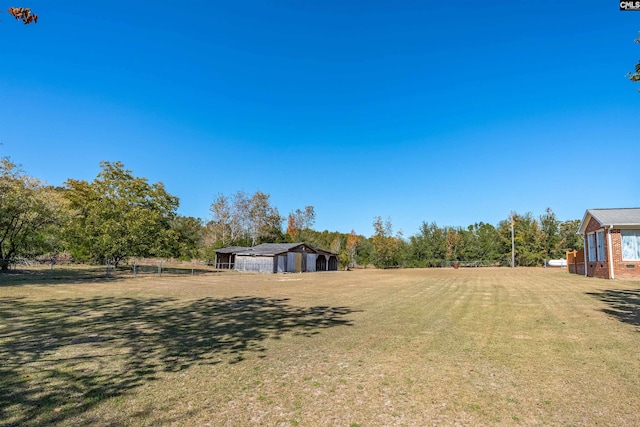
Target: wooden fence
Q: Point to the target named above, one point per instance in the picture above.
(575, 262)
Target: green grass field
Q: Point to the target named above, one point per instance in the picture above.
(363, 348)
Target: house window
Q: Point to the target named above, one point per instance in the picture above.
(591, 246)
(630, 245)
(600, 245)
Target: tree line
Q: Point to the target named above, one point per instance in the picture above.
(119, 216)
(535, 241)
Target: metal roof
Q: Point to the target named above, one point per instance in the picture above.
(231, 249)
(269, 249)
(622, 217)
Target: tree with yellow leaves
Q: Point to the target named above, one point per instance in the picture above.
(23, 14)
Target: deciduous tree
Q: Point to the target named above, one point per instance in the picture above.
(455, 243)
(365, 252)
(486, 236)
(29, 213)
(119, 215)
(550, 228)
(336, 245)
(428, 246)
(243, 220)
(23, 14)
(570, 240)
(264, 220)
(300, 221)
(529, 250)
(221, 227)
(187, 237)
(352, 248)
(387, 246)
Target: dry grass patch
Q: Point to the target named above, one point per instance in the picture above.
(367, 348)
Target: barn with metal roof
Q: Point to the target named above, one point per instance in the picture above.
(278, 258)
(226, 257)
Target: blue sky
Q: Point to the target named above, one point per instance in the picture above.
(455, 112)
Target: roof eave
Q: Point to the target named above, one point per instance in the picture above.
(585, 221)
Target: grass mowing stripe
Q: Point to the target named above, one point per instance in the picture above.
(402, 347)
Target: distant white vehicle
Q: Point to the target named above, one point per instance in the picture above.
(557, 263)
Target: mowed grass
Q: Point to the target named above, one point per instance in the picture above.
(363, 348)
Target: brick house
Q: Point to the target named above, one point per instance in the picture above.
(612, 243)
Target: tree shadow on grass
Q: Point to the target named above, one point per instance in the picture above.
(59, 358)
(45, 276)
(95, 274)
(624, 304)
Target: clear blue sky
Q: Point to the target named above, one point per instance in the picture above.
(449, 111)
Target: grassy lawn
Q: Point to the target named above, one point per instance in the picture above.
(363, 348)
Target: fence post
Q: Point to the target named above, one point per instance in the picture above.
(108, 267)
(134, 268)
(573, 261)
(160, 268)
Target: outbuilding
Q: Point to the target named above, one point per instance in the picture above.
(279, 258)
(612, 243)
(226, 257)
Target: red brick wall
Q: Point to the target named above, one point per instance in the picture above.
(596, 268)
